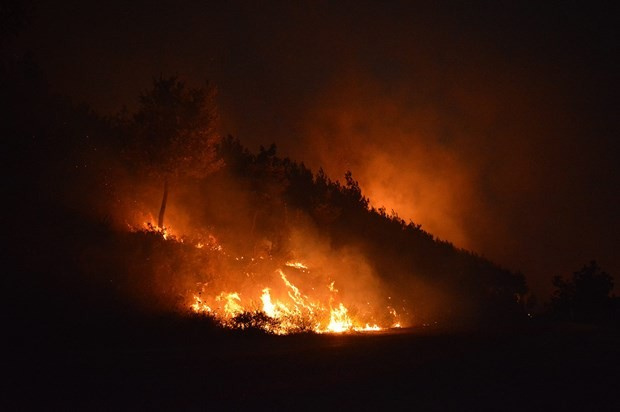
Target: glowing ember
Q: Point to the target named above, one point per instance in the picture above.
(296, 265)
(396, 323)
(368, 328)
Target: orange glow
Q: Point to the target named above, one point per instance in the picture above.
(289, 315)
(297, 265)
(339, 321)
(294, 297)
(199, 306)
(295, 312)
(375, 137)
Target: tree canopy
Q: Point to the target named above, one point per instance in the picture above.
(175, 129)
(174, 133)
(585, 296)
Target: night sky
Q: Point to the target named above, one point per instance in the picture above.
(492, 124)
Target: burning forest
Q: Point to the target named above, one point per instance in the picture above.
(326, 228)
(255, 241)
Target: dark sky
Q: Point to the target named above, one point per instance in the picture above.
(493, 124)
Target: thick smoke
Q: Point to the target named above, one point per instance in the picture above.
(494, 163)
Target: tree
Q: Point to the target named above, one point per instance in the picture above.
(175, 134)
(585, 297)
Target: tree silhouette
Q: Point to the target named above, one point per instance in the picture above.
(174, 132)
(285, 193)
(585, 297)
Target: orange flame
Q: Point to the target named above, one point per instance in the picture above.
(281, 307)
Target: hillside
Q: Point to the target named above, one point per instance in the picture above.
(87, 240)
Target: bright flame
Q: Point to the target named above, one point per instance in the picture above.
(232, 305)
(296, 265)
(199, 306)
(296, 312)
(339, 321)
(268, 307)
(282, 307)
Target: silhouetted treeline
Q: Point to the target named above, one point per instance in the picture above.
(411, 260)
(68, 162)
(585, 296)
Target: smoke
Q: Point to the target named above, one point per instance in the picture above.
(494, 162)
(408, 157)
(493, 126)
(224, 237)
(394, 151)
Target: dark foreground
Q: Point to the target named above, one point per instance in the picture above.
(537, 368)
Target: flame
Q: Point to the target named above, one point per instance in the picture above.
(339, 321)
(268, 307)
(296, 265)
(396, 323)
(279, 306)
(232, 305)
(199, 306)
(294, 312)
(368, 328)
(149, 226)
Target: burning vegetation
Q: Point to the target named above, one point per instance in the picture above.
(270, 245)
(250, 241)
(269, 290)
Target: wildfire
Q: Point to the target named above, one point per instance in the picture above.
(274, 303)
(199, 306)
(296, 265)
(339, 321)
(231, 301)
(294, 312)
(396, 323)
